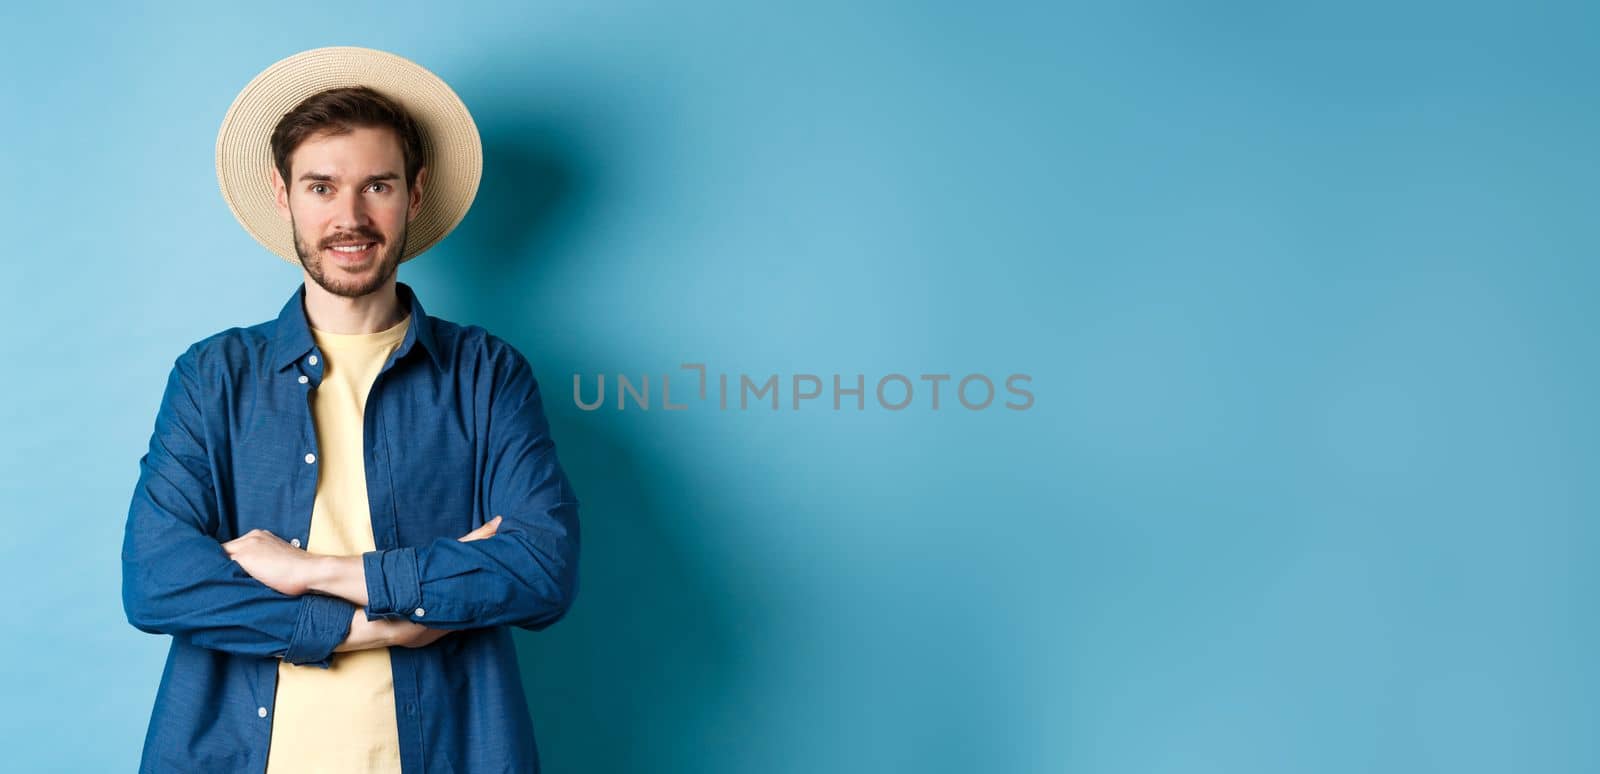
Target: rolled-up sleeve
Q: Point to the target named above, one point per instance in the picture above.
(526, 574)
(176, 577)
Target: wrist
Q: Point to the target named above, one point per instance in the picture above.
(317, 573)
(356, 638)
(339, 576)
(365, 635)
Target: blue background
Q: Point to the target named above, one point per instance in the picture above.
(1305, 292)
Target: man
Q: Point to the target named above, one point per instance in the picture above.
(343, 510)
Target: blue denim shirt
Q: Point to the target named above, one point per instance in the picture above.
(455, 433)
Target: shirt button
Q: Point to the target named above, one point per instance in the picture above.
(310, 458)
(312, 360)
(261, 712)
(419, 612)
(304, 378)
(411, 709)
(295, 542)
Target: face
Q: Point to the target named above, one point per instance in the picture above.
(349, 208)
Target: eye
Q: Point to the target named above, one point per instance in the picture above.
(315, 186)
(380, 187)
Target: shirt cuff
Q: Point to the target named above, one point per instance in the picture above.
(323, 623)
(393, 590)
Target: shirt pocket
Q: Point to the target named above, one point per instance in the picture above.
(434, 472)
(273, 485)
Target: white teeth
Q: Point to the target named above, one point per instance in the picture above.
(353, 248)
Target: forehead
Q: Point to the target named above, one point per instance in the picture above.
(362, 151)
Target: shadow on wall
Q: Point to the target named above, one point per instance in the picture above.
(634, 678)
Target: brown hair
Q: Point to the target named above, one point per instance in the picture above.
(338, 111)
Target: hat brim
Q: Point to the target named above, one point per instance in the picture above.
(451, 147)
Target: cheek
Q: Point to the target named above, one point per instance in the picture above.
(400, 207)
(391, 220)
(310, 220)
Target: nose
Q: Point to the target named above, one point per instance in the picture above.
(351, 212)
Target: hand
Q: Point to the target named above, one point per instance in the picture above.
(267, 558)
(384, 633)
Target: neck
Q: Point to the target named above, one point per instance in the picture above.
(373, 312)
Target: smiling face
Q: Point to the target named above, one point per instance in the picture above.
(349, 207)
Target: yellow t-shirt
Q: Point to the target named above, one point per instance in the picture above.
(340, 719)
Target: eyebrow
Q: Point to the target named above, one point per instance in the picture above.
(324, 178)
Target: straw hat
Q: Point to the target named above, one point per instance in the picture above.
(450, 145)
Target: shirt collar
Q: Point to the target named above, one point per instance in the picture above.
(293, 337)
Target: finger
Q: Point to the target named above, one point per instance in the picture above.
(484, 531)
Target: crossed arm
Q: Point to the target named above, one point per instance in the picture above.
(257, 596)
(294, 572)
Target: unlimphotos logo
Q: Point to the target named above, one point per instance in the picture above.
(974, 392)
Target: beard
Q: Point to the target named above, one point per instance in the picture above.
(341, 282)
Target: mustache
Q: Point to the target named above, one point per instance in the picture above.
(359, 236)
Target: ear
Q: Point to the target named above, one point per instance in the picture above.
(416, 194)
(280, 197)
